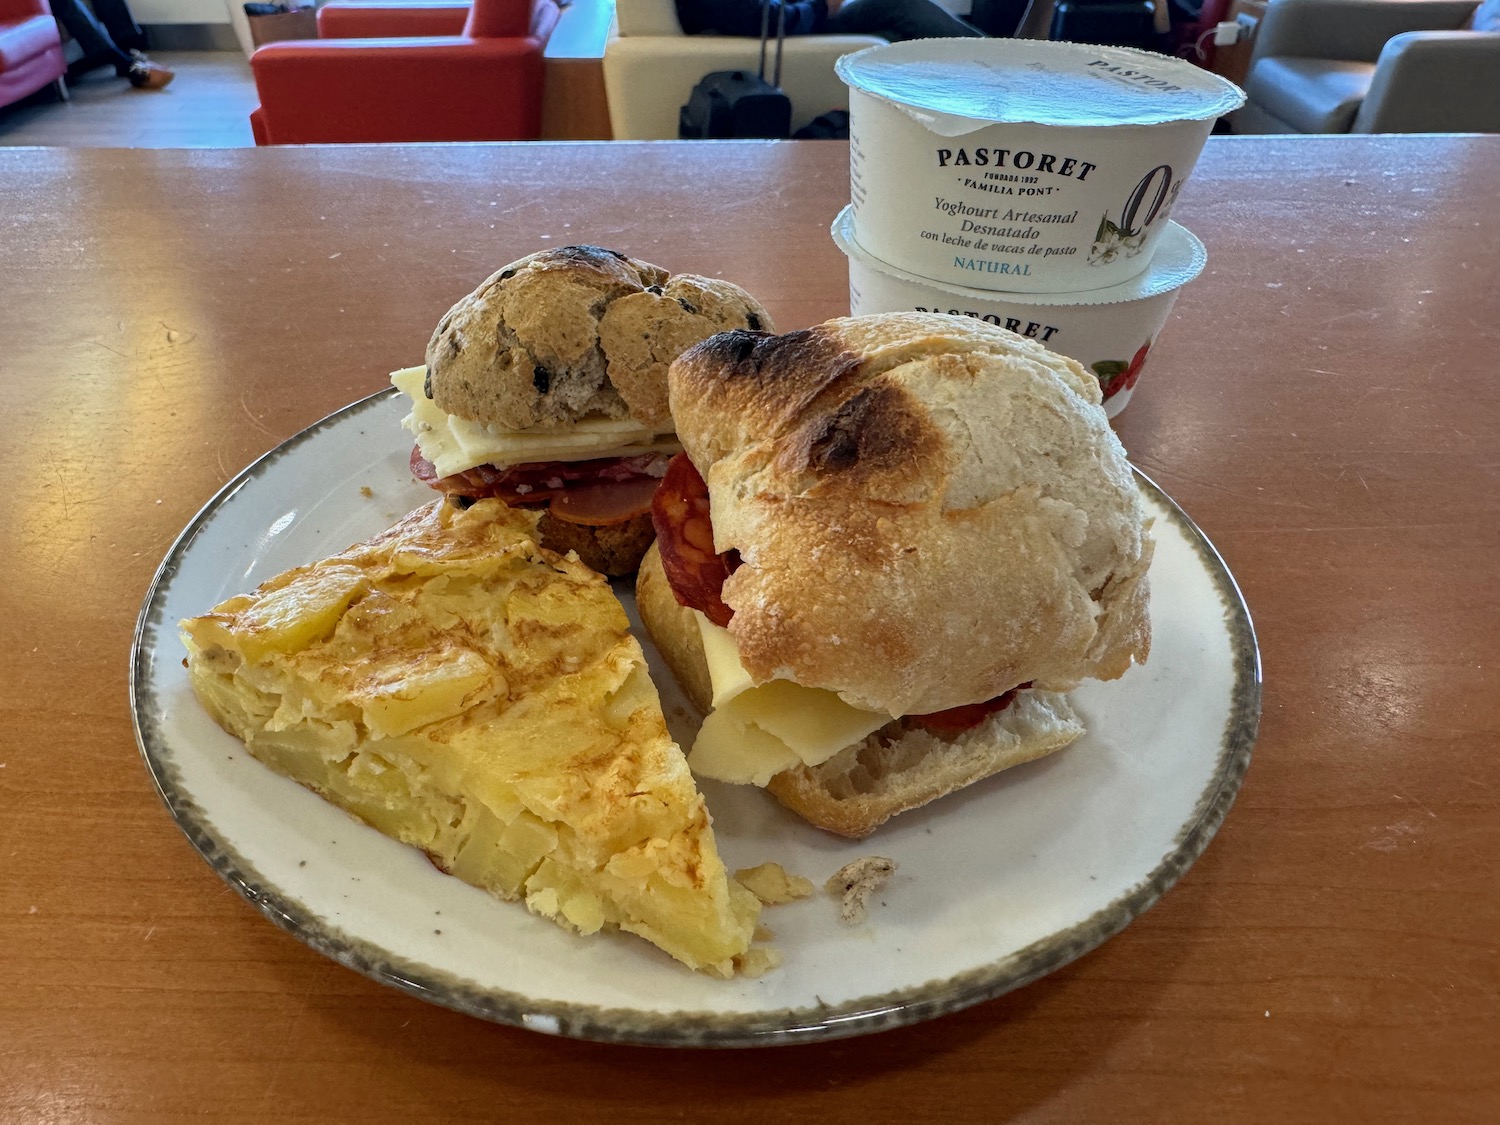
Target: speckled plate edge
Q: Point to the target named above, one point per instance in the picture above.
(704, 1028)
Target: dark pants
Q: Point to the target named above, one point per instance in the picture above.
(106, 32)
(1000, 18)
(896, 20)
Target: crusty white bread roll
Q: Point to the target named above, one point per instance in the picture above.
(900, 767)
(929, 510)
(926, 513)
(905, 767)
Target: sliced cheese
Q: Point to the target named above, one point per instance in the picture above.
(454, 444)
(757, 730)
(725, 672)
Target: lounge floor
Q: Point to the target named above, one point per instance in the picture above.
(207, 106)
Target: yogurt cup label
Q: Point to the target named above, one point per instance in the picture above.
(1110, 331)
(1022, 166)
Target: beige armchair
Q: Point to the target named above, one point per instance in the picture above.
(650, 68)
(1373, 66)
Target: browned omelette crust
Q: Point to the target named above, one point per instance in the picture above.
(576, 331)
(930, 510)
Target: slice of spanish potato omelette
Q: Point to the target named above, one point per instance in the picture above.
(467, 692)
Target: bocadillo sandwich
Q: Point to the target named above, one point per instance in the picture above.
(890, 546)
(546, 387)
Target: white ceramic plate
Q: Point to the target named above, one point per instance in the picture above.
(997, 885)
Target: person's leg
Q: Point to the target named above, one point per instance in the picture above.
(120, 23)
(897, 19)
(91, 35)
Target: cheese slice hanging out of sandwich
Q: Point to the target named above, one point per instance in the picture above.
(890, 546)
(546, 388)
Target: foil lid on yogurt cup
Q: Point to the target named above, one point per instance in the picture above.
(955, 86)
(1022, 166)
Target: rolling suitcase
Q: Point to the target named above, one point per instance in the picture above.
(737, 104)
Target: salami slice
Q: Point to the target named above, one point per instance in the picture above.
(956, 720)
(597, 493)
(605, 503)
(685, 538)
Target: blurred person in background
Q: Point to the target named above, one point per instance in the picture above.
(893, 20)
(109, 36)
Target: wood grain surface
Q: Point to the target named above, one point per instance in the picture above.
(1324, 402)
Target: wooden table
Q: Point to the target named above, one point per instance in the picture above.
(1325, 402)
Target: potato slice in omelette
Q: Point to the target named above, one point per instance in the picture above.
(464, 691)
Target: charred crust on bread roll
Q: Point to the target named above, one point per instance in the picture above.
(919, 527)
(546, 387)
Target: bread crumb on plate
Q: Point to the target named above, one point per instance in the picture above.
(855, 882)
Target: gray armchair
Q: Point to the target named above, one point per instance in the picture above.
(1373, 66)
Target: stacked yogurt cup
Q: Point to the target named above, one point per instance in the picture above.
(1029, 184)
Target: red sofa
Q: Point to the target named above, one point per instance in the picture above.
(391, 19)
(415, 73)
(31, 52)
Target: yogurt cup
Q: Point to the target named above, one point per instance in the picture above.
(1022, 165)
(1109, 331)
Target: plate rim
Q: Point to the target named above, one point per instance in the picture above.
(862, 1016)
